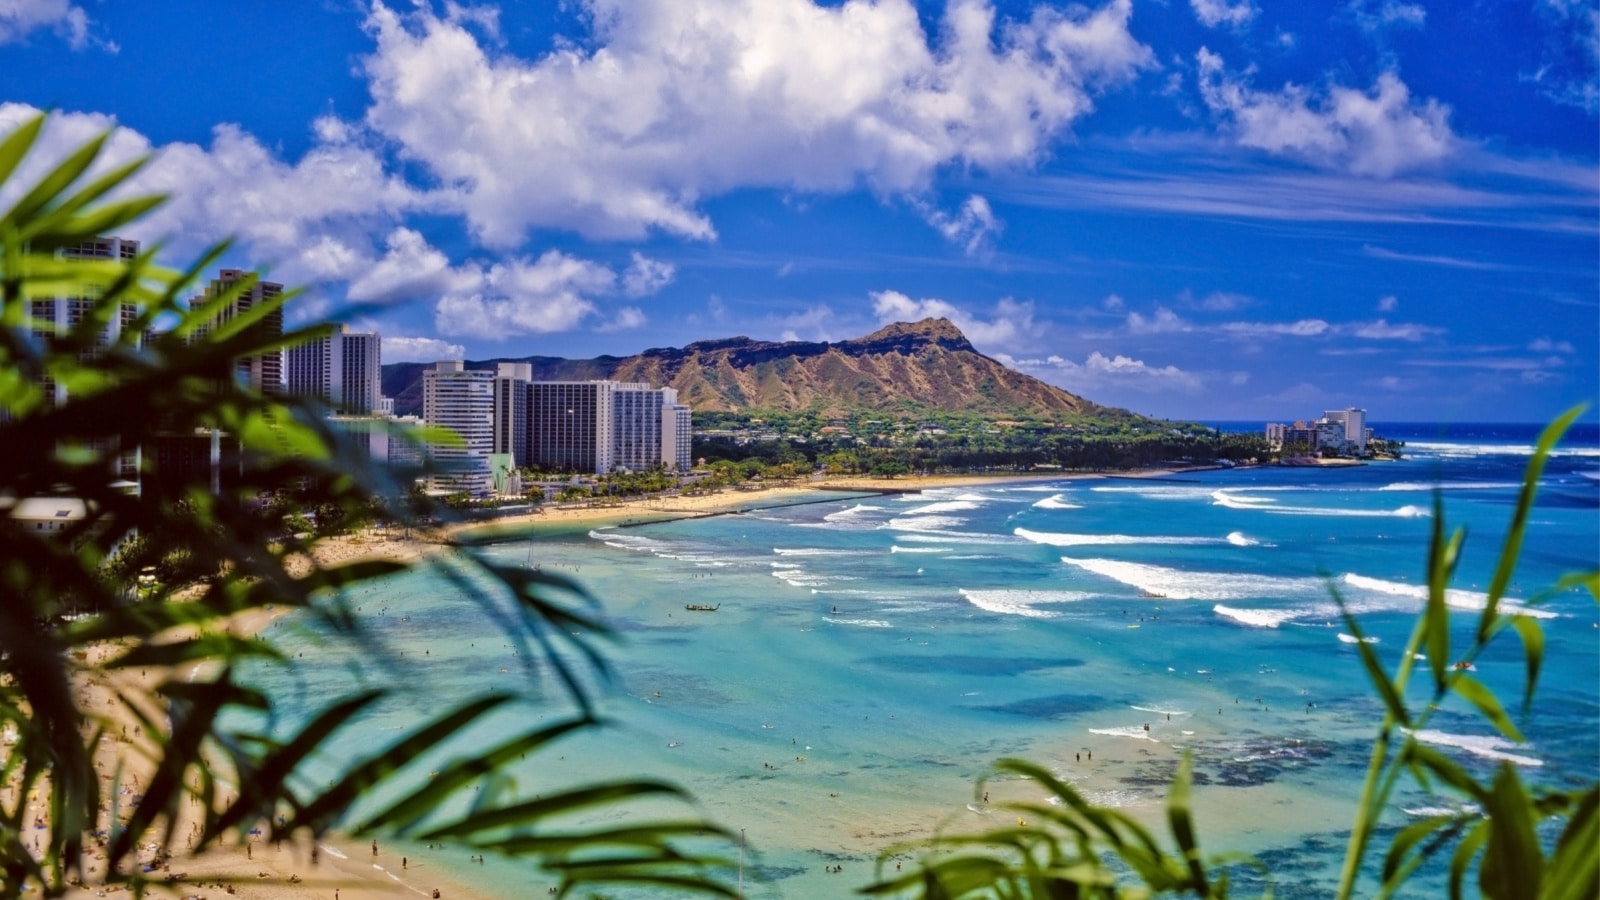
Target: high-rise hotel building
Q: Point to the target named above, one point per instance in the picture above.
(262, 371)
(463, 401)
(593, 427)
(54, 318)
(343, 369)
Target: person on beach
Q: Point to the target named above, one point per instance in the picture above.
(374, 848)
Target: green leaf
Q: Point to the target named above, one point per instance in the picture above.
(1487, 703)
(1513, 863)
(1442, 556)
(1512, 549)
(1179, 815)
(1532, 651)
(1574, 870)
(1369, 660)
(17, 143)
(1461, 860)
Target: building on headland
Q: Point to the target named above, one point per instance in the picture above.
(461, 400)
(343, 369)
(1341, 431)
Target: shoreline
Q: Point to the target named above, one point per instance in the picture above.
(261, 871)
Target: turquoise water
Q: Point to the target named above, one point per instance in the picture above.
(872, 656)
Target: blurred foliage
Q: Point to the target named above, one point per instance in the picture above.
(151, 581)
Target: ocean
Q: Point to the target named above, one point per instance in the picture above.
(870, 657)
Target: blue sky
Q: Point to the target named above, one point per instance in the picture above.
(1200, 209)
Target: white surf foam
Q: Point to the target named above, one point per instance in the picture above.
(899, 549)
(852, 512)
(1163, 708)
(1257, 618)
(1016, 602)
(1178, 584)
(945, 506)
(1058, 501)
(1238, 539)
(1429, 487)
(1461, 450)
(1059, 539)
(1352, 639)
(924, 523)
(1131, 731)
(860, 623)
(1231, 498)
(818, 551)
(1454, 597)
(957, 537)
(1487, 746)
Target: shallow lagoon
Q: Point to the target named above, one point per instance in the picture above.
(871, 657)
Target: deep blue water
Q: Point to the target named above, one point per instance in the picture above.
(872, 656)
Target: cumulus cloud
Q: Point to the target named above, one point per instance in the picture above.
(971, 228)
(18, 18)
(626, 319)
(1375, 133)
(1212, 13)
(410, 268)
(1389, 303)
(522, 296)
(419, 349)
(645, 276)
(1101, 373)
(1012, 320)
(677, 101)
(1165, 321)
(1375, 16)
(310, 220)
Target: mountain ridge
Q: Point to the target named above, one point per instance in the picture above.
(903, 367)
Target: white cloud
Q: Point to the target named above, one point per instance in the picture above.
(1165, 321)
(1112, 302)
(1570, 75)
(645, 276)
(20, 17)
(1375, 133)
(1373, 16)
(626, 319)
(1099, 373)
(1301, 328)
(419, 349)
(1223, 301)
(520, 297)
(1546, 345)
(1212, 13)
(1382, 330)
(677, 101)
(1388, 304)
(309, 220)
(971, 228)
(1011, 323)
(409, 269)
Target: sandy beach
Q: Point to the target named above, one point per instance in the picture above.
(347, 869)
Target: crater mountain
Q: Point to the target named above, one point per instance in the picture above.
(904, 368)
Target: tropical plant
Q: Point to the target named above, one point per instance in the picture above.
(1525, 842)
(166, 571)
